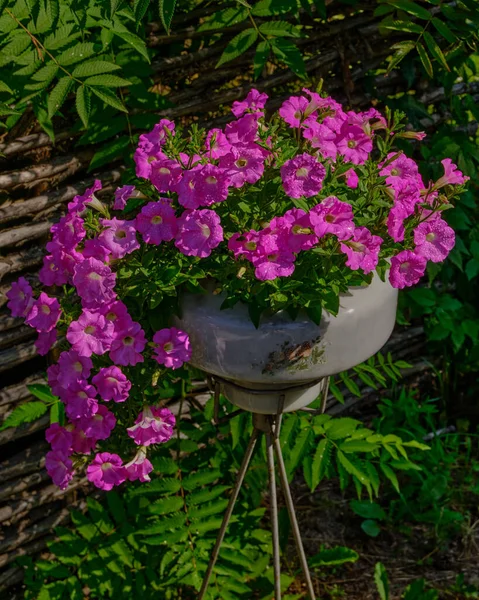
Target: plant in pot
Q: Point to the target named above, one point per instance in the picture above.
(267, 254)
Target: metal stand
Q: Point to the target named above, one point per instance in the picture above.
(268, 425)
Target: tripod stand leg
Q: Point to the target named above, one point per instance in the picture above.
(292, 517)
(229, 511)
(274, 515)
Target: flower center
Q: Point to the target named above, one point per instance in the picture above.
(82, 395)
(120, 234)
(205, 230)
(46, 309)
(241, 162)
(128, 340)
(151, 159)
(298, 114)
(302, 172)
(94, 276)
(112, 380)
(405, 266)
(357, 246)
(98, 417)
(168, 347)
(430, 237)
(90, 329)
(106, 465)
(211, 180)
(352, 144)
(77, 367)
(164, 171)
(297, 230)
(329, 218)
(272, 257)
(111, 316)
(395, 172)
(251, 245)
(156, 220)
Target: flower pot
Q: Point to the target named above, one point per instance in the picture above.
(282, 356)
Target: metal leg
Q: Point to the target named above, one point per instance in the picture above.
(229, 511)
(274, 515)
(292, 517)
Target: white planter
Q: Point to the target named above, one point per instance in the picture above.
(283, 354)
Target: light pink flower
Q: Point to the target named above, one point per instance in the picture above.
(173, 347)
(69, 231)
(144, 159)
(45, 341)
(243, 131)
(100, 425)
(20, 296)
(434, 240)
(152, 426)
(199, 232)
(362, 250)
(139, 468)
(127, 345)
(90, 334)
(271, 266)
(243, 164)
(112, 384)
(122, 194)
(354, 144)
(452, 175)
(116, 313)
(118, 236)
(44, 313)
(292, 110)
(332, 216)
(254, 101)
(216, 144)
(72, 367)
(202, 186)
(165, 174)
(59, 438)
(80, 400)
(79, 203)
(106, 471)
(407, 268)
(94, 282)
(302, 176)
(60, 468)
(157, 222)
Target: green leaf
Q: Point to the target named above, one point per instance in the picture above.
(381, 581)
(238, 45)
(405, 26)
(435, 50)
(371, 528)
(76, 53)
(340, 428)
(133, 40)
(107, 81)
(426, 62)
(280, 29)
(263, 50)
(109, 98)
(167, 10)
(201, 478)
(268, 8)
(58, 95)
(353, 446)
(83, 104)
(389, 473)
(368, 510)
(45, 74)
(288, 53)
(42, 392)
(444, 30)
(166, 506)
(402, 50)
(94, 67)
(25, 413)
(321, 460)
(4, 88)
(339, 555)
(140, 8)
(352, 469)
(411, 8)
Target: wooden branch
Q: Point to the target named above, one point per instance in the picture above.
(9, 578)
(29, 232)
(15, 336)
(17, 486)
(8, 322)
(16, 356)
(27, 461)
(26, 259)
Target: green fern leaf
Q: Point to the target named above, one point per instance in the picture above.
(321, 460)
(201, 478)
(340, 428)
(107, 81)
(167, 10)
(76, 53)
(206, 495)
(165, 506)
(94, 67)
(133, 40)
(280, 29)
(206, 510)
(83, 104)
(109, 98)
(238, 45)
(25, 413)
(224, 18)
(58, 95)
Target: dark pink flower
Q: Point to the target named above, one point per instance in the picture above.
(332, 216)
(51, 273)
(243, 131)
(354, 144)
(78, 204)
(52, 378)
(82, 444)
(69, 231)
(94, 282)
(165, 174)
(244, 244)
(95, 248)
(144, 159)
(202, 186)
(362, 250)
(106, 471)
(292, 110)
(434, 239)
(122, 194)
(20, 296)
(398, 170)
(254, 101)
(323, 138)
(352, 179)
(216, 144)
(45, 341)
(301, 234)
(100, 425)
(59, 467)
(395, 222)
(127, 344)
(173, 347)
(157, 222)
(112, 384)
(452, 175)
(90, 334)
(116, 313)
(302, 176)
(156, 138)
(71, 368)
(243, 164)
(80, 400)
(271, 266)
(118, 236)
(199, 232)
(152, 426)
(59, 438)
(44, 313)
(139, 468)
(407, 268)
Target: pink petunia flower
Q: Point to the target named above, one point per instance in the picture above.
(217, 144)
(112, 384)
(292, 110)
(152, 426)
(398, 170)
(100, 425)
(362, 250)
(354, 144)
(244, 244)
(80, 400)
(332, 216)
(144, 159)
(352, 179)
(165, 174)
(395, 222)
(44, 313)
(59, 467)
(45, 341)
(202, 186)
(254, 101)
(407, 268)
(95, 248)
(69, 231)
(122, 195)
(119, 237)
(323, 138)
(434, 240)
(127, 345)
(94, 282)
(52, 379)
(117, 314)
(90, 334)
(452, 175)
(298, 232)
(243, 131)
(59, 438)
(106, 471)
(243, 164)
(79, 203)
(302, 175)
(81, 443)
(139, 468)
(51, 273)
(156, 138)
(173, 347)
(20, 297)
(271, 266)
(157, 222)
(199, 232)
(72, 367)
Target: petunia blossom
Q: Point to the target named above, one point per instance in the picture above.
(407, 268)
(452, 175)
(217, 144)
(106, 471)
(362, 250)
(80, 400)
(128, 344)
(69, 231)
(90, 334)
(172, 347)
(44, 313)
(434, 239)
(354, 144)
(276, 264)
(302, 175)
(255, 101)
(199, 232)
(332, 216)
(94, 282)
(122, 195)
(112, 384)
(202, 186)
(118, 236)
(20, 298)
(45, 341)
(165, 174)
(243, 164)
(59, 438)
(59, 467)
(72, 367)
(157, 222)
(292, 110)
(139, 468)
(153, 425)
(100, 425)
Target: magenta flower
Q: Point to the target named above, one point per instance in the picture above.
(119, 237)
(116, 313)
(452, 175)
(202, 186)
(354, 144)
(95, 248)
(82, 444)
(127, 344)
(292, 110)
(216, 144)
(165, 174)
(122, 195)
(78, 204)
(69, 231)
(112, 384)
(156, 138)
(65, 260)
(139, 468)
(52, 379)
(80, 400)
(157, 222)
(254, 101)
(94, 282)
(271, 266)
(434, 240)
(60, 468)
(59, 438)
(44, 313)
(100, 425)
(352, 179)
(106, 471)
(300, 232)
(90, 334)
(20, 297)
(45, 341)
(407, 268)
(243, 131)
(173, 347)
(152, 426)
(395, 222)
(244, 244)
(199, 232)
(71, 368)
(302, 175)
(323, 138)
(143, 160)
(398, 170)
(332, 216)
(243, 164)
(362, 250)
(51, 273)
